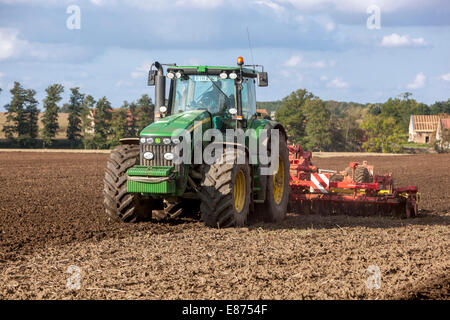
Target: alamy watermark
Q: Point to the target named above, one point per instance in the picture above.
(74, 280)
(374, 279)
(261, 147)
(374, 20)
(73, 22)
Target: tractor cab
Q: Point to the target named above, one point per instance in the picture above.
(227, 93)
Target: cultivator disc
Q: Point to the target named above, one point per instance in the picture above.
(352, 208)
(327, 192)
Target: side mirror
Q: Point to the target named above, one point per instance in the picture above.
(152, 77)
(263, 80)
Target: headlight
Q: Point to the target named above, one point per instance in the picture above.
(171, 75)
(233, 75)
(148, 155)
(168, 156)
(176, 140)
(178, 74)
(150, 140)
(142, 140)
(166, 140)
(223, 75)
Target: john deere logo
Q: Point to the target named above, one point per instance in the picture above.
(157, 140)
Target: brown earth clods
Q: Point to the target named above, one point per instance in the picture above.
(52, 218)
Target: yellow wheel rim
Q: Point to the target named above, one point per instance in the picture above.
(278, 182)
(239, 191)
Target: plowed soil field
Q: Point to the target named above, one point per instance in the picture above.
(53, 231)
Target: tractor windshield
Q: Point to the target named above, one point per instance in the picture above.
(207, 92)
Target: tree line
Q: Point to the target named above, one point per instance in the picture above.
(316, 124)
(346, 126)
(91, 124)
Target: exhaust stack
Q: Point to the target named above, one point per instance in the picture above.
(160, 87)
(156, 78)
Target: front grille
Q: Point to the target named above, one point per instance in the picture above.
(158, 151)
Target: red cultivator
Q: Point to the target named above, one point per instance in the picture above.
(354, 191)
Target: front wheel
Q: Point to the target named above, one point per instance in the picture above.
(225, 192)
(119, 204)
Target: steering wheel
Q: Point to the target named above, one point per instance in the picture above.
(205, 99)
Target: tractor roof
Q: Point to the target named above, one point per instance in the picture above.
(211, 70)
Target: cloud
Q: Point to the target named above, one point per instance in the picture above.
(356, 6)
(152, 5)
(396, 40)
(141, 71)
(338, 83)
(278, 9)
(297, 61)
(288, 75)
(10, 44)
(419, 81)
(330, 26)
(293, 61)
(445, 77)
(13, 47)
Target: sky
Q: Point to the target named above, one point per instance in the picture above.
(346, 50)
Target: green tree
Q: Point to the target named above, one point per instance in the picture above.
(87, 121)
(145, 111)
(50, 118)
(269, 105)
(103, 113)
(317, 130)
(440, 107)
(352, 134)
(119, 124)
(32, 116)
(402, 109)
(65, 108)
(292, 115)
(15, 116)
(75, 107)
(22, 116)
(383, 134)
(132, 128)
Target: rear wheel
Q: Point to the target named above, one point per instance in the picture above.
(225, 193)
(119, 204)
(277, 195)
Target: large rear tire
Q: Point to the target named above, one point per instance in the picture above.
(225, 192)
(275, 206)
(119, 204)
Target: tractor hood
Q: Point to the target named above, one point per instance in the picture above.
(184, 120)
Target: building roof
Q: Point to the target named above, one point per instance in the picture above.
(445, 123)
(262, 111)
(425, 123)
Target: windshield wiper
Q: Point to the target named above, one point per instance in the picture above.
(215, 85)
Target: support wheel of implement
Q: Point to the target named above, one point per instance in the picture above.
(120, 205)
(225, 191)
(362, 175)
(277, 195)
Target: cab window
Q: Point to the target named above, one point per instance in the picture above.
(248, 98)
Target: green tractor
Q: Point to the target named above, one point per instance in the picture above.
(143, 180)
